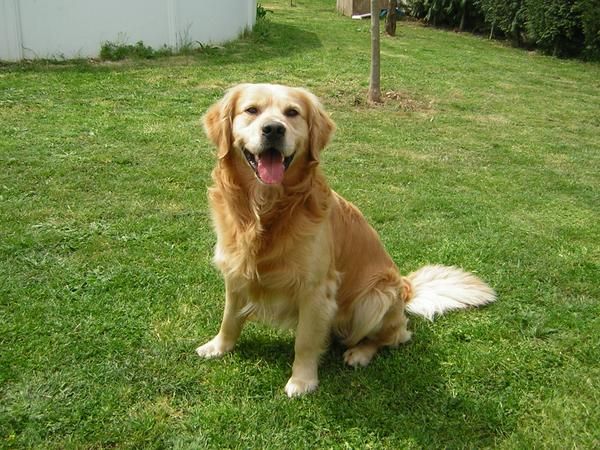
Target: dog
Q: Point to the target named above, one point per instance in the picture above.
(294, 253)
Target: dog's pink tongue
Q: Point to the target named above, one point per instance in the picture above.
(270, 167)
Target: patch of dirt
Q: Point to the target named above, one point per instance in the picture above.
(397, 100)
(406, 102)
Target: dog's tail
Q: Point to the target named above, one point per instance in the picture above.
(437, 289)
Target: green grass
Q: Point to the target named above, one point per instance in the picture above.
(483, 156)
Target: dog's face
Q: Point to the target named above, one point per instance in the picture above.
(271, 127)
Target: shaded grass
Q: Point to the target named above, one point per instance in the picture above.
(482, 156)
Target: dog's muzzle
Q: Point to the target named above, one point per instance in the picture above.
(269, 165)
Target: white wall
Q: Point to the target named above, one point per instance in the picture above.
(77, 28)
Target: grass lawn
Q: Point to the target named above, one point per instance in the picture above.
(482, 156)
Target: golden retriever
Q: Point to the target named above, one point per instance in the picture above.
(294, 253)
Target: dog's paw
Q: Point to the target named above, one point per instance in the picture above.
(404, 337)
(296, 386)
(358, 356)
(214, 348)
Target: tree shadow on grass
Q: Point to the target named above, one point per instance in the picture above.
(272, 40)
(278, 40)
(402, 398)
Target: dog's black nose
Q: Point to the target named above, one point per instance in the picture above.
(273, 130)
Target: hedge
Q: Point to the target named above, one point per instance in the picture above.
(562, 28)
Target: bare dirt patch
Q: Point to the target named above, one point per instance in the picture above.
(406, 102)
(401, 101)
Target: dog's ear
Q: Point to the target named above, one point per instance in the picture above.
(218, 121)
(320, 127)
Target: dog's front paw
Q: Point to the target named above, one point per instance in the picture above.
(296, 386)
(214, 348)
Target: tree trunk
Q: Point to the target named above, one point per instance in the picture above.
(390, 20)
(374, 95)
(463, 16)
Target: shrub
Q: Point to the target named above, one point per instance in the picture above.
(261, 12)
(505, 16)
(590, 21)
(111, 51)
(262, 27)
(454, 13)
(559, 27)
(555, 26)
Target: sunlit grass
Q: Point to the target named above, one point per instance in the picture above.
(482, 156)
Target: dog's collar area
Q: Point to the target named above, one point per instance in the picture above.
(253, 161)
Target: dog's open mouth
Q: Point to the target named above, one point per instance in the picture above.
(269, 166)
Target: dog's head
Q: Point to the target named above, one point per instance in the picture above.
(273, 128)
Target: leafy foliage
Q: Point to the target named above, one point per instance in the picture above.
(507, 16)
(590, 21)
(560, 27)
(112, 51)
(555, 26)
(261, 12)
(454, 13)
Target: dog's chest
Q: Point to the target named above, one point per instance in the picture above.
(272, 281)
(269, 292)
(272, 308)
(258, 272)
(273, 258)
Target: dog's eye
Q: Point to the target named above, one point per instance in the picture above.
(252, 110)
(291, 112)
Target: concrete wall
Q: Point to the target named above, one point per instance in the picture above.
(77, 28)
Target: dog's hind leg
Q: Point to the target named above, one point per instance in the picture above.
(378, 321)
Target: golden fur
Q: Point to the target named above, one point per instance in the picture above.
(293, 252)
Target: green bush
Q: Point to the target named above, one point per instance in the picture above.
(555, 26)
(111, 51)
(261, 12)
(559, 27)
(505, 16)
(590, 21)
(461, 14)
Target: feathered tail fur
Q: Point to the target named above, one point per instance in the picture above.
(437, 289)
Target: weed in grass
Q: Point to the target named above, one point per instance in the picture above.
(115, 52)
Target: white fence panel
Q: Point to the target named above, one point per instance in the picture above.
(77, 28)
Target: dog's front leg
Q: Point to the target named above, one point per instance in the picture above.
(315, 316)
(231, 326)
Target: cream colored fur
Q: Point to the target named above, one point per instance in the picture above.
(296, 254)
(437, 289)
